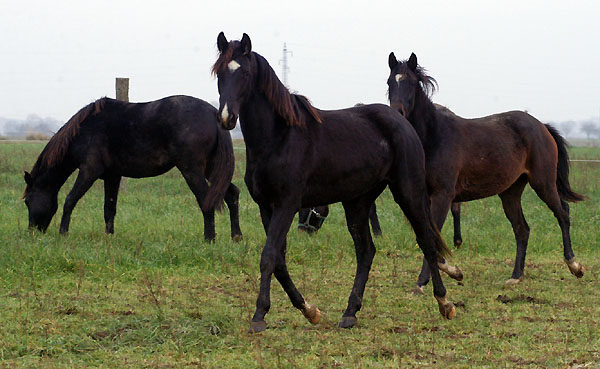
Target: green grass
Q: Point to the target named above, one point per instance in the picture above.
(154, 295)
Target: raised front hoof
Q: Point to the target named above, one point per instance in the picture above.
(257, 327)
(446, 308)
(312, 313)
(458, 243)
(575, 268)
(513, 281)
(418, 290)
(347, 322)
(237, 237)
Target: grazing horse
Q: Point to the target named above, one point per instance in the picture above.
(310, 220)
(110, 139)
(299, 156)
(469, 159)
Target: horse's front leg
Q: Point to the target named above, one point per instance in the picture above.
(84, 181)
(272, 261)
(111, 192)
(455, 209)
(357, 220)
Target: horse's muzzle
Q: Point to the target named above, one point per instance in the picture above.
(228, 122)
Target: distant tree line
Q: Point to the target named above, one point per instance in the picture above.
(32, 127)
(589, 128)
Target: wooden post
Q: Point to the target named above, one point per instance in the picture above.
(122, 87)
(122, 93)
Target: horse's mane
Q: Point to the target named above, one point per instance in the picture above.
(57, 147)
(428, 84)
(286, 104)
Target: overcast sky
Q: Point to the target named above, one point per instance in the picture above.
(541, 56)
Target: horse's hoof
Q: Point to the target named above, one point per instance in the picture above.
(453, 272)
(513, 281)
(575, 268)
(256, 327)
(237, 237)
(312, 313)
(418, 290)
(458, 243)
(347, 322)
(446, 308)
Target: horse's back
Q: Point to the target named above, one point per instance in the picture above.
(148, 139)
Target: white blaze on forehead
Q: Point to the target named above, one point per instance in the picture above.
(399, 77)
(224, 113)
(233, 65)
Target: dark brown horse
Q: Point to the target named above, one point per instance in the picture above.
(110, 139)
(469, 159)
(299, 156)
(311, 220)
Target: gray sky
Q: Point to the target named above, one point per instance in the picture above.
(542, 56)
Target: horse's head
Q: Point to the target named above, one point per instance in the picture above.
(41, 204)
(406, 80)
(234, 74)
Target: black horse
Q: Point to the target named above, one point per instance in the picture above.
(298, 156)
(469, 159)
(110, 139)
(311, 220)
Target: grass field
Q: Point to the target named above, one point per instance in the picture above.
(154, 295)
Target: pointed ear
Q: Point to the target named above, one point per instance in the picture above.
(246, 44)
(28, 178)
(392, 61)
(222, 42)
(412, 62)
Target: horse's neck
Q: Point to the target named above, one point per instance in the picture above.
(258, 121)
(424, 120)
(54, 178)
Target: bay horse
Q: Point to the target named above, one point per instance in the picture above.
(469, 159)
(299, 156)
(311, 220)
(109, 139)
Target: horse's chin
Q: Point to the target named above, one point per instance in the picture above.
(229, 124)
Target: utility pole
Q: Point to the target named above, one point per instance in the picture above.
(284, 64)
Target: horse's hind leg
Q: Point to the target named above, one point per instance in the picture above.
(84, 181)
(440, 202)
(455, 210)
(272, 261)
(549, 194)
(197, 183)
(511, 202)
(111, 192)
(357, 219)
(232, 200)
(413, 200)
(374, 220)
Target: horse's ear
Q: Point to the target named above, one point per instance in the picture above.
(222, 42)
(246, 44)
(392, 61)
(28, 178)
(412, 62)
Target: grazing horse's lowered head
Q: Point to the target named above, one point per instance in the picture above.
(42, 205)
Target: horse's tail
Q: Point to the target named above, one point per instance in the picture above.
(440, 245)
(562, 179)
(222, 166)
